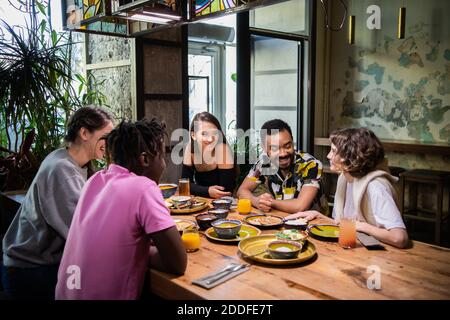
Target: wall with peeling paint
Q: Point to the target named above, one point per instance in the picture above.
(399, 88)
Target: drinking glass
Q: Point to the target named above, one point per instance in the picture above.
(347, 233)
(191, 239)
(183, 187)
(244, 206)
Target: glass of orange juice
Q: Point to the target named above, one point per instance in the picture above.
(244, 206)
(347, 233)
(191, 239)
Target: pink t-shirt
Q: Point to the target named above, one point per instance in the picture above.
(107, 249)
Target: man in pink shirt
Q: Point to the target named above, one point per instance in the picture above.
(120, 211)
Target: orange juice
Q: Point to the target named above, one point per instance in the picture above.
(244, 206)
(347, 233)
(191, 240)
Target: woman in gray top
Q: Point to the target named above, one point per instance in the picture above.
(34, 242)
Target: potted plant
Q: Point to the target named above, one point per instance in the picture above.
(37, 95)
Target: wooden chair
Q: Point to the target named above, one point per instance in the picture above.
(414, 178)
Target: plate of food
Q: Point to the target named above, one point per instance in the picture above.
(243, 233)
(292, 235)
(264, 221)
(299, 223)
(186, 204)
(326, 232)
(259, 249)
(183, 224)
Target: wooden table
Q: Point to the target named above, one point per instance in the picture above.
(421, 272)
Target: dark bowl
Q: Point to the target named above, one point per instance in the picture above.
(219, 213)
(168, 189)
(284, 249)
(204, 220)
(222, 204)
(227, 229)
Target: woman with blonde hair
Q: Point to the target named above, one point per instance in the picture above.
(364, 189)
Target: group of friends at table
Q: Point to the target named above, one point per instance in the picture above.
(81, 234)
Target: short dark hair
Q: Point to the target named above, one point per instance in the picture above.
(269, 128)
(359, 148)
(90, 117)
(126, 143)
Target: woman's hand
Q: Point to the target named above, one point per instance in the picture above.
(264, 202)
(216, 192)
(361, 226)
(308, 215)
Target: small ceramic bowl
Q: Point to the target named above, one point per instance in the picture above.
(299, 224)
(204, 220)
(220, 213)
(284, 249)
(168, 189)
(180, 200)
(227, 229)
(222, 204)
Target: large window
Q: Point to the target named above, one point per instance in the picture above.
(286, 17)
(212, 64)
(274, 81)
(280, 71)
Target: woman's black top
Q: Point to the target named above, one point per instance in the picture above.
(201, 181)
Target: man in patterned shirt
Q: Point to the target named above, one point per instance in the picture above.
(293, 178)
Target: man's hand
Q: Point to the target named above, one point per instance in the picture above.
(216, 192)
(264, 202)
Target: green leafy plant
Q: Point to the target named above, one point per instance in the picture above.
(37, 87)
(242, 149)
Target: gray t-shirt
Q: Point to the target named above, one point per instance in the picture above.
(39, 230)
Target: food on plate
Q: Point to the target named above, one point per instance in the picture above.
(297, 222)
(183, 224)
(265, 220)
(292, 234)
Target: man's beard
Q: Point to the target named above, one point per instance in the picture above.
(288, 163)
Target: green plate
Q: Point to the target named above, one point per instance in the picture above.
(244, 233)
(255, 248)
(326, 232)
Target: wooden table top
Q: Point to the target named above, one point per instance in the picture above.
(421, 272)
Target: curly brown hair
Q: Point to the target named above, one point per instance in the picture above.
(359, 148)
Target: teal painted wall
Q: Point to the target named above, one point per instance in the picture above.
(399, 88)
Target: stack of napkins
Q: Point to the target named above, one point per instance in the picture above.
(203, 281)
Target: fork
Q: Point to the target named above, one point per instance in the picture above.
(226, 269)
(224, 274)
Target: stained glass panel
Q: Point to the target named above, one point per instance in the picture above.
(92, 8)
(205, 7)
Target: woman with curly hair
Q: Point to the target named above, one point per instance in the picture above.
(364, 187)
